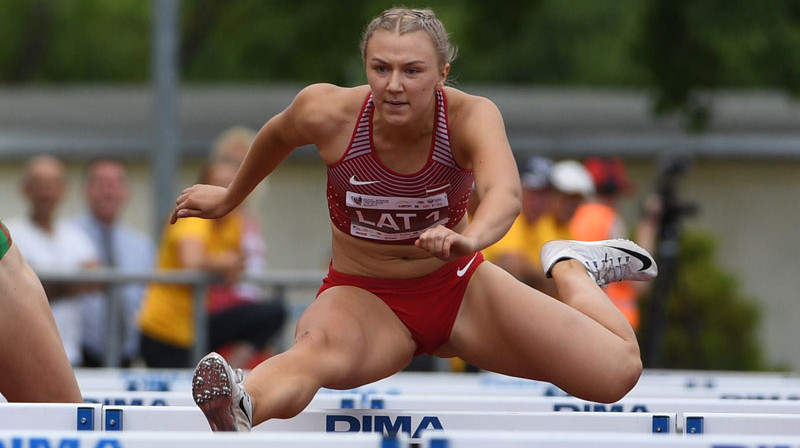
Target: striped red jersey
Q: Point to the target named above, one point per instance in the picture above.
(368, 200)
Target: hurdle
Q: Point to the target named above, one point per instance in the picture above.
(660, 405)
(177, 379)
(741, 424)
(572, 404)
(54, 416)
(58, 439)
(330, 400)
(658, 384)
(524, 439)
(691, 379)
(164, 380)
(134, 379)
(388, 422)
(744, 391)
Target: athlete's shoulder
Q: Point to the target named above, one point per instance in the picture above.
(330, 96)
(465, 106)
(327, 102)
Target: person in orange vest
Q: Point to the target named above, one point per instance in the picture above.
(599, 219)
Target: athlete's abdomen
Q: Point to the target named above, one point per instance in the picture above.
(358, 256)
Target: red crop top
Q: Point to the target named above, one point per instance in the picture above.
(368, 200)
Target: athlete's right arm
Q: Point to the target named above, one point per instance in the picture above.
(297, 125)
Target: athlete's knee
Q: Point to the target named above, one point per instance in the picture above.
(312, 338)
(321, 341)
(620, 380)
(335, 354)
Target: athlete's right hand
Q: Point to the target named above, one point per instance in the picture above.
(202, 201)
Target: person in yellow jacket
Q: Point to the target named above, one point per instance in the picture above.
(167, 318)
(551, 192)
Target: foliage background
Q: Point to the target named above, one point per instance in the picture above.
(679, 49)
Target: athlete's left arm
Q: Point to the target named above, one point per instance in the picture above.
(479, 142)
(497, 186)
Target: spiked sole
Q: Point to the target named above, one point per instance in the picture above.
(211, 390)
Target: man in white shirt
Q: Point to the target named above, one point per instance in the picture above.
(120, 247)
(51, 244)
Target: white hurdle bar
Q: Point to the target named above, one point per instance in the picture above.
(134, 379)
(523, 439)
(741, 424)
(331, 400)
(662, 405)
(403, 382)
(58, 439)
(696, 379)
(52, 416)
(730, 391)
(388, 422)
(572, 404)
(699, 384)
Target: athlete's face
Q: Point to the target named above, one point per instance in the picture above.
(107, 190)
(220, 174)
(45, 185)
(403, 71)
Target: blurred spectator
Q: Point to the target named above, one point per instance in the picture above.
(215, 246)
(551, 194)
(572, 185)
(233, 143)
(232, 146)
(54, 245)
(518, 251)
(599, 219)
(120, 247)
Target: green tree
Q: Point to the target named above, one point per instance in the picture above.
(75, 41)
(681, 50)
(689, 48)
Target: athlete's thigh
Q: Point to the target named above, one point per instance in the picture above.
(508, 327)
(35, 366)
(359, 332)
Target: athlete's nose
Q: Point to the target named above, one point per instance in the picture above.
(395, 84)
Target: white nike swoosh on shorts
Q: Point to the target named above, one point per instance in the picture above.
(461, 271)
(353, 181)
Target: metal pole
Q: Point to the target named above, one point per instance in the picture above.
(114, 335)
(667, 254)
(200, 347)
(166, 77)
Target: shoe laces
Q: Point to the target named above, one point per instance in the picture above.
(608, 269)
(238, 376)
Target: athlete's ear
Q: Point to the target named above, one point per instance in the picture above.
(443, 76)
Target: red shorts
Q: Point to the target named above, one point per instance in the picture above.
(426, 305)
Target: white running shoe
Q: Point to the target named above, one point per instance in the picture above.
(217, 390)
(606, 261)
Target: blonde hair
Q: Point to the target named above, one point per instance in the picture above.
(405, 20)
(230, 143)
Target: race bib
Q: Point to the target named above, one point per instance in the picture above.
(390, 218)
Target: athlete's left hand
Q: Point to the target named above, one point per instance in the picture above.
(445, 243)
